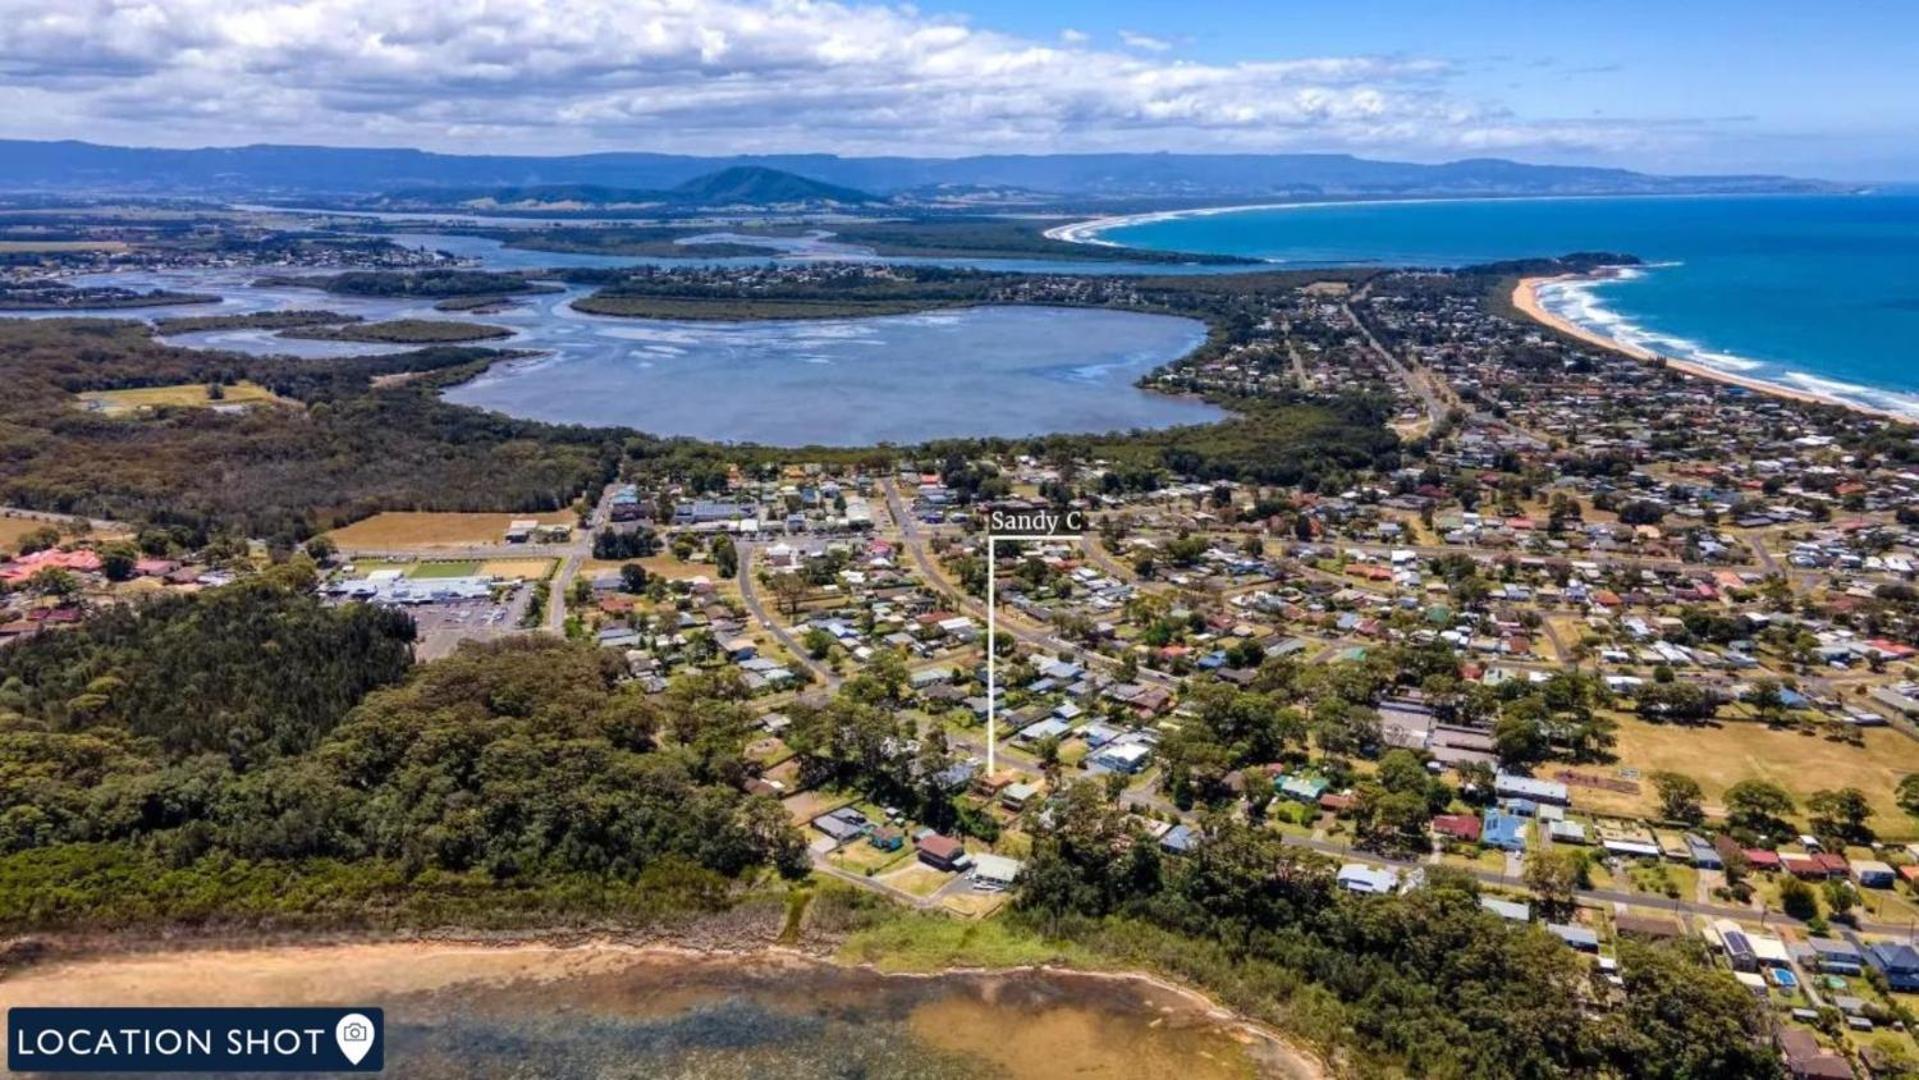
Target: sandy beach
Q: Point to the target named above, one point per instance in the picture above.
(1526, 298)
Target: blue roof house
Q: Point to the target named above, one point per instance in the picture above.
(1504, 831)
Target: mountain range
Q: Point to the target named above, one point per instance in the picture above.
(739, 185)
(267, 171)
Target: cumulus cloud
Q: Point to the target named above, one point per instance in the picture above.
(694, 76)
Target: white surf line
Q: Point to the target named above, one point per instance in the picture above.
(1574, 300)
(1087, 232)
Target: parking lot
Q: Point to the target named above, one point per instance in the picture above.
(444, 625)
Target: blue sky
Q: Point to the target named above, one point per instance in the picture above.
(1819, 88)
(1816, 89)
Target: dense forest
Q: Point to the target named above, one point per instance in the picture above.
(284, 473)
(404, 332)
(250, 672)
(254, 320)
(158, 765)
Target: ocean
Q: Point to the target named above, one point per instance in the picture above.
(1815, 293)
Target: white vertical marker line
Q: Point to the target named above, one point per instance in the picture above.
(992, 660)
(992, 636)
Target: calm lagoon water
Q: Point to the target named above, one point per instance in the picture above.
(1814, 292)
(998, 371)
(848, 382)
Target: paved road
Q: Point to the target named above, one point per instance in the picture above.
(556, 599)
(1418, 382)
(1034, 637)
(1596, 896)
(749, 595)
(1149, 798)
(1097, 554)
(1598, 558)
(1306, 381)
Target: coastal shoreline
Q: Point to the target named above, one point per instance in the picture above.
(1525, 299)
(1087, 231)
(120, 972)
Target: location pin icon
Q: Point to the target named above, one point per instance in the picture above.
(354, 1033)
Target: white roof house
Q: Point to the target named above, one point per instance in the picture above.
(1360, 878)
(994, 872)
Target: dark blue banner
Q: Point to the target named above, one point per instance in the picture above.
(195, 1040)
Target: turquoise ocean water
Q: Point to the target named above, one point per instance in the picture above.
(1815, 293)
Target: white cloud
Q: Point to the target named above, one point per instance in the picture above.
(693, 76)
(1147, 42)
(1074, 37)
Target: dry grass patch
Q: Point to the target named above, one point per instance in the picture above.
(808, 805)
(672, 569)
(861, 857)
(917, 879)
(190, 395)
(13, 530)
(529, 569)
(1719, 757)
(974, 905)
(399, 529)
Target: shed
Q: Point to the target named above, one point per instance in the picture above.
(992, 873)
(1873, 874)
(1579, 937)
(1507, 909)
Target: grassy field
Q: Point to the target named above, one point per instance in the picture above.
(917, 878)
(445, 569)
(123, 402)
(12, 529)
(974, 905)
(405, 529)
(663, 565)
(917, 942)
(861, 857)
(526, 569)
(1719, 757)
(529, 569)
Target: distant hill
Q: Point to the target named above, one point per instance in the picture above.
(758, 185)
(293, 172)
(744, 185)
